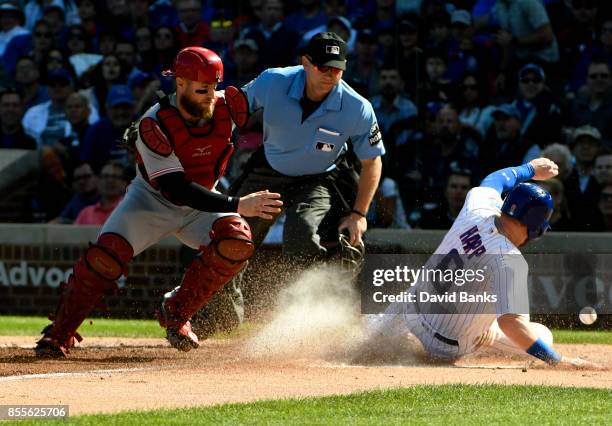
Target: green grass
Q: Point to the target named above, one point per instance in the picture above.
(420, 405)
(583, 336)
(31, 326)
(99, 327)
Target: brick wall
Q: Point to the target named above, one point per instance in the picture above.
(151, 274)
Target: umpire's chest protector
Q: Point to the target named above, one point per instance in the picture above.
(203, 151)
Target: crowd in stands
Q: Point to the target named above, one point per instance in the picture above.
(460, 88)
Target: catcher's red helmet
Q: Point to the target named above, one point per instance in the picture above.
(197, 64)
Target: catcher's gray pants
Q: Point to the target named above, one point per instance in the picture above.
(144, 217)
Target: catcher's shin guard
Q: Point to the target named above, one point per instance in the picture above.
(230, 247)
(94, 273)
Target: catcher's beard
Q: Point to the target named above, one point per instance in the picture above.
(196, 109)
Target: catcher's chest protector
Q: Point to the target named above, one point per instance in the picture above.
(203, 151)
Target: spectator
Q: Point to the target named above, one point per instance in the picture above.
(144, 47)
(112, 185)
(438, 31)
(77, 41)
(503, 145)
(449, 145)
(139, 13)
(581, 187)
(54, 61)
(540, 113)
(579, 34)
(387, 210)
(470, 100)
(11, 130)
(594, 108)
(105, 75)
(603, 168)
(144, 89)
(365, 68)
(125, 51)
(102, 141)
(436, 87)
(37, 45)
(384, 17)
(525, 31)
(246, 60)
(78, 112)
(336, 24)
(117, 12)
(562, 157)
(35, 9)
(107, 40)
(192, 31)
(309, 16)
(88, 11)
(222, 35)
(411, 61)
(605, 206)
(27, 77)
(54, 15)
(43, 40)
(601, 50)
(47, 122)
(165, 45)
(79, 49)
(85, 186)
(277, 42)
(462, 52)
(442, 215)
(162, 13)
(386, 45)
(11, 21)
(391, 106)
(560, 219)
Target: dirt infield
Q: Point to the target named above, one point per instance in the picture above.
(111, 375)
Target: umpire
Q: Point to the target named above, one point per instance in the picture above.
(311, 119)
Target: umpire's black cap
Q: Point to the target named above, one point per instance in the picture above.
(327, 49)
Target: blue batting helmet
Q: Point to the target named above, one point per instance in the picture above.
(530, 205)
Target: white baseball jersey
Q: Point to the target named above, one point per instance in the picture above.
(473, 238)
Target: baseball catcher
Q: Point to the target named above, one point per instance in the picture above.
(182, 147)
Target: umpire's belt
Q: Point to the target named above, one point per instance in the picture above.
(439, 336)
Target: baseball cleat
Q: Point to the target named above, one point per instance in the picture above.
(182, 338)
(47, 348)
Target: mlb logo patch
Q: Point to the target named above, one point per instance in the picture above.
(325, 147)
(332, 50)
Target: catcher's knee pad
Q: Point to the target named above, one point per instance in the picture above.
(105, 261)
(232, 240)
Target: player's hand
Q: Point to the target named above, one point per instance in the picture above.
(580, 364)
(264, 204)
(356, 226)
(544, 168)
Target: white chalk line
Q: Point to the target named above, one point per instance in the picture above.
(482, 367)
(24, 377)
